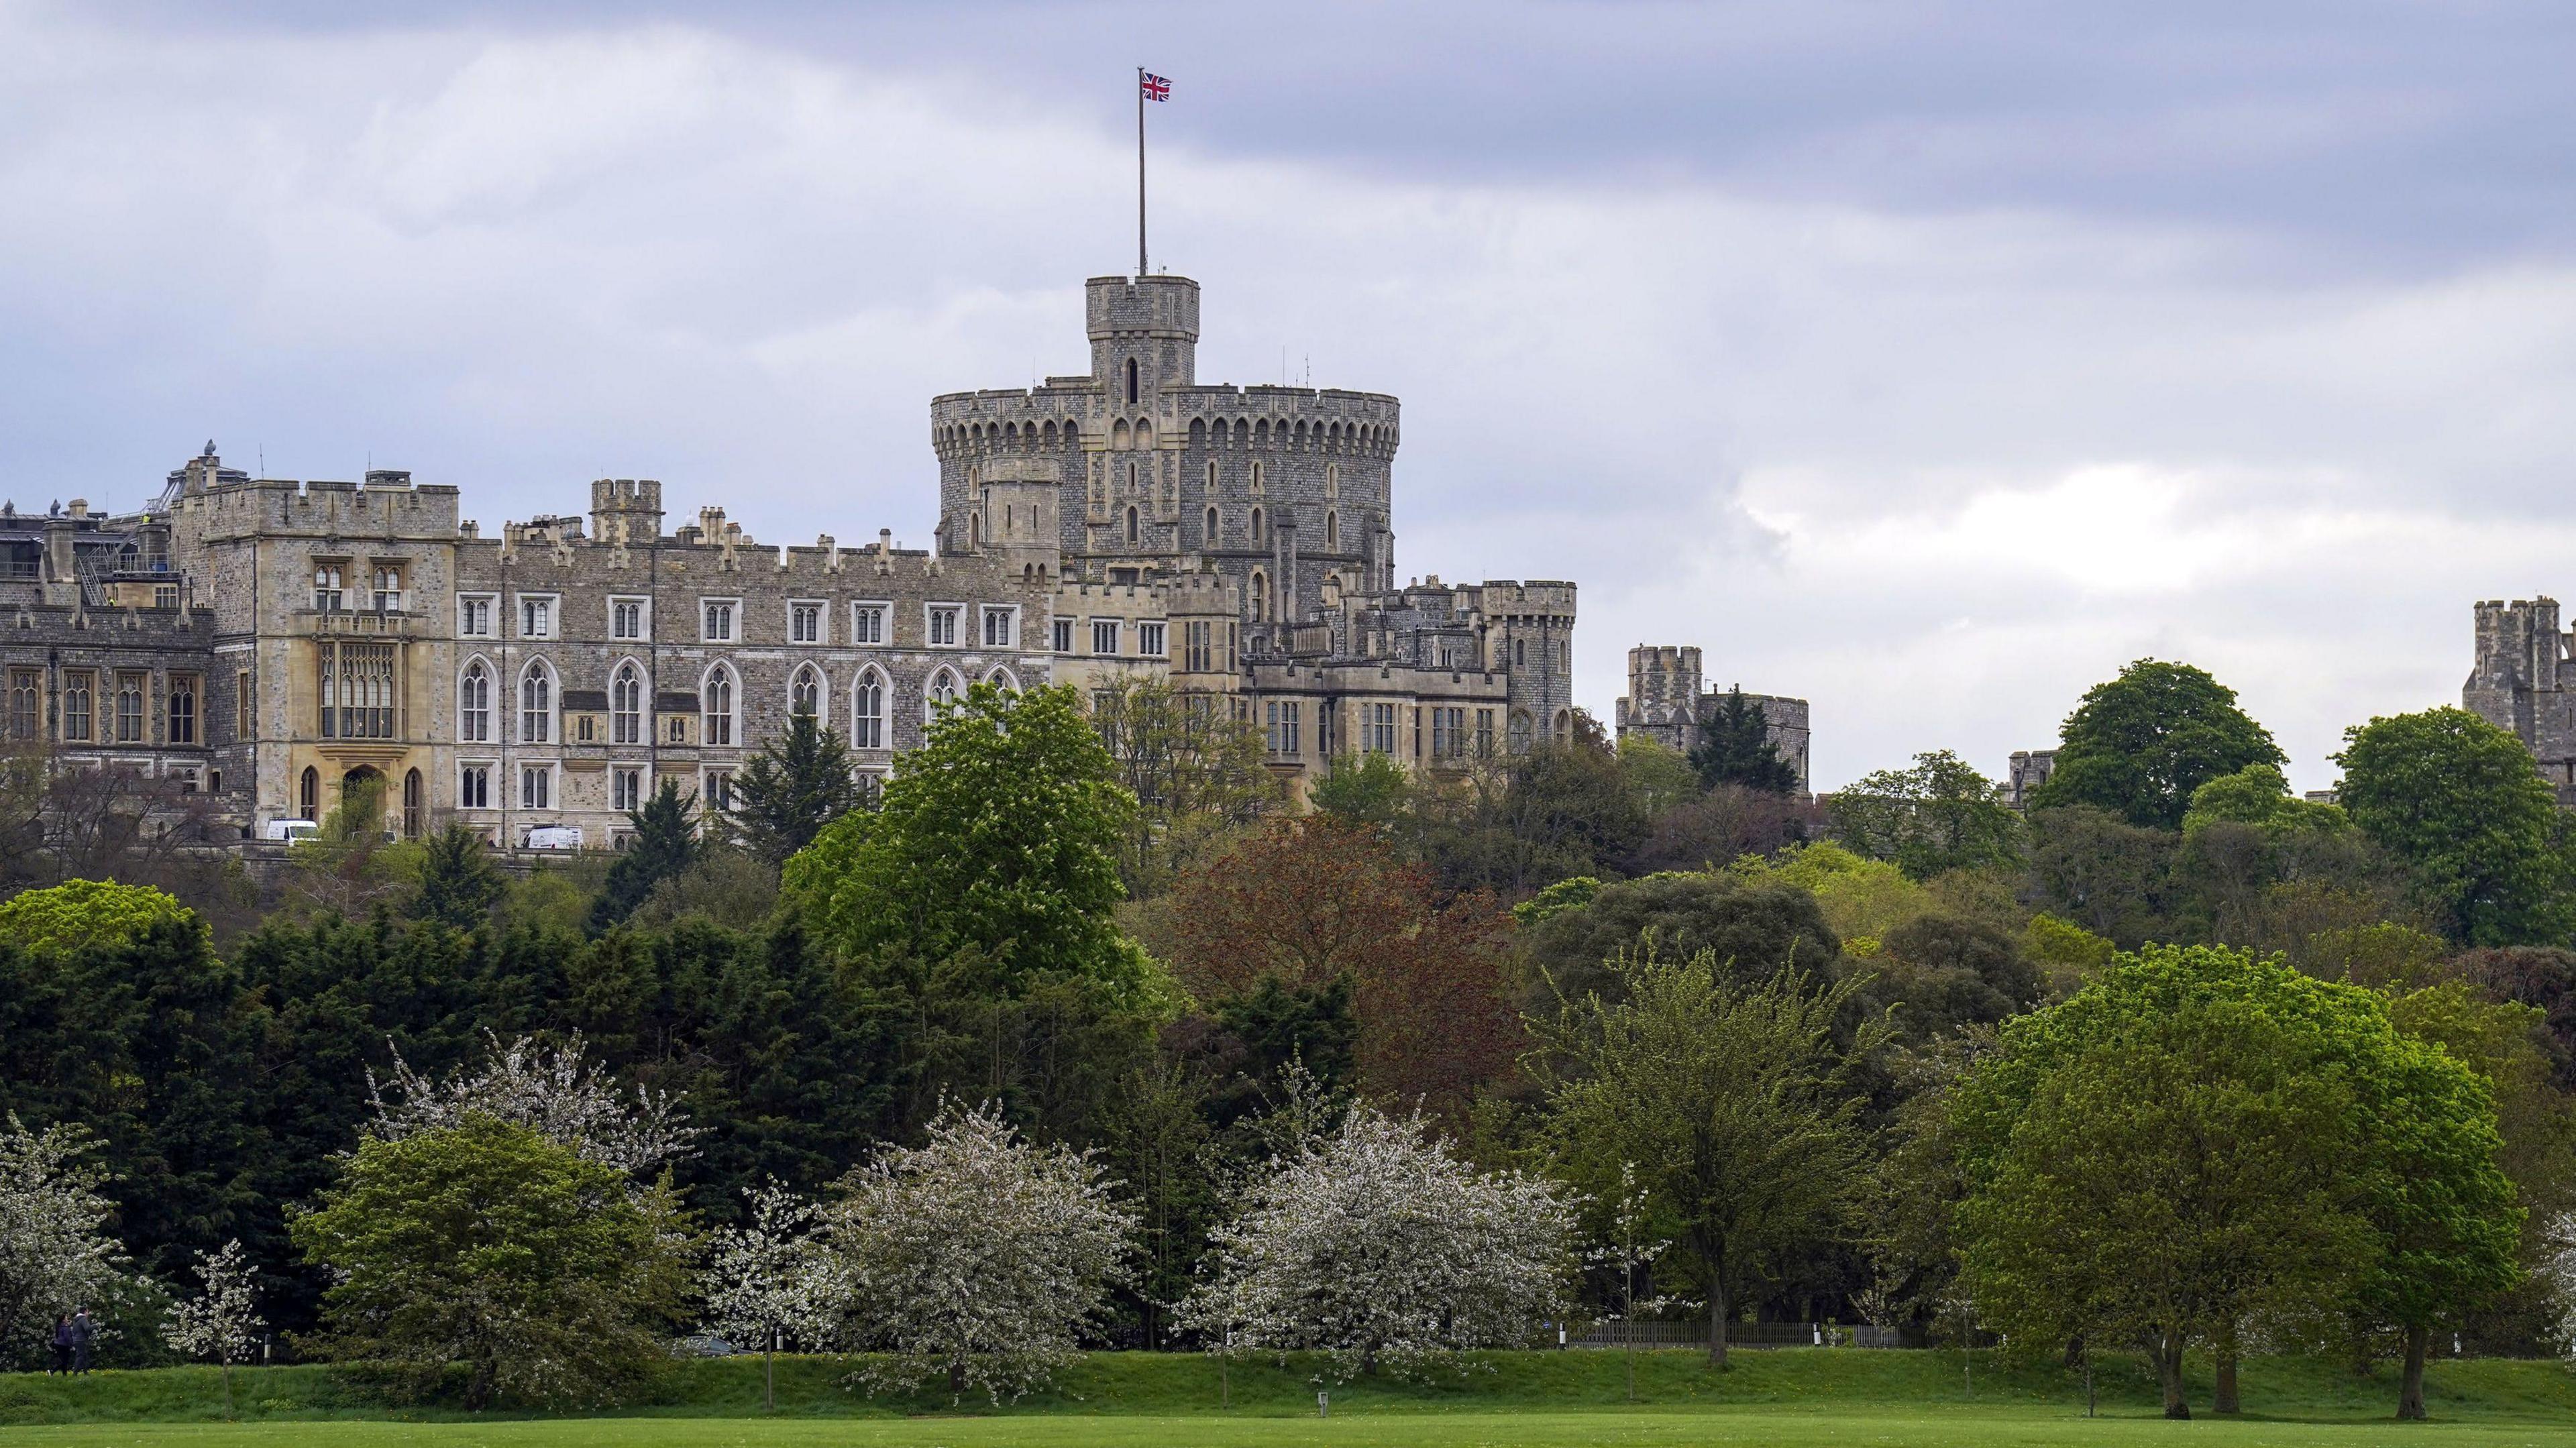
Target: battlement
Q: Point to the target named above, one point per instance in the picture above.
(1157, 306)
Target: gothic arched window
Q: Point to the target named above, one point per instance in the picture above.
(867, 712)
(626, 705)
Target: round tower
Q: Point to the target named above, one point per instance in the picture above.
(1144, 335)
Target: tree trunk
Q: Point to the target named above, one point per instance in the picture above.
(1716, 1325)
(769, 1377)
(2167, 1350)
(228, 1390)
(2075, 1351)
(2410, 1391)
(2223, 1399)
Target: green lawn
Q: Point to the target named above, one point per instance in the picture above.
(1535, 1399)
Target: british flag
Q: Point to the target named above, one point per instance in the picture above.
(1156, 88)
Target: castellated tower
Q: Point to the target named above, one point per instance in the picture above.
(1281, 490)
(625, 510)
(2519, 683)
(1666, 702)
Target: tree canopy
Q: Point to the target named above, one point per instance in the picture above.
(2461, 802)
(785, 794)
(2138, 745)
(1734, 747)
(1939, 814)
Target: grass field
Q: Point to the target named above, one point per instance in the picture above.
(1540, 1400)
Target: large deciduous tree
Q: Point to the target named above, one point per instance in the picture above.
(1733, 1107)
(1197, 772)
(1375, 1244)
(999, 836)
(483, 1243)
(1939, 814)
(976, 1258)
(55, 1251)
(768, 1283)
(2461, 802)
(2138, 745)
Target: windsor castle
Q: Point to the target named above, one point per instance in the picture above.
(260, 645)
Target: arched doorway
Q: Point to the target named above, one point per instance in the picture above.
(362, 796)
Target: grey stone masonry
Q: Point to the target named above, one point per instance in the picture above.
(1665, 702)
(2520, 681)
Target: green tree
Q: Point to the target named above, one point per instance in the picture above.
(1659, 776)
(1753, 929)
(77, 914)
(1730, 1108)
(665, 844)
(999, 836)
(2100, 872)
(1938, 815)
(485, 1245)
(1198, 774)
(785, 794)
(1369, 789)
(458, 885)
(2139, 745)
(1734, 747)
(2462, 804)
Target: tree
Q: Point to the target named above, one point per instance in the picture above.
(2138, 746)
(2461, 802)
(1753, 929)
(485, 1244)
(55, 1251)
(1000, 835)
(458, 883)
(784, 795)
(1367, 789)
(1939, 815)
(557, 1092)
(1376, 1245)
(1944, 973)
(975, 1257)
(222, 1322)
(769, 1282)
(1730, 1105)
(80, 914)
(2098, 871)
(1734, 747)
(1197, 772)
(665, 844)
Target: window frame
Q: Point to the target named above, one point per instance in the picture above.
(1116, 637)
(733, 620)
(477, 767)
(871, 611)
(1008, 615)
(643, 606)
(465, 606)
(552, 604)
(822, 608)
(545, 774)
(931, 616)
(1152, 639)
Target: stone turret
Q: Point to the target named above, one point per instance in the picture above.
(1144, 335)
(2518, 682)
(625, 510)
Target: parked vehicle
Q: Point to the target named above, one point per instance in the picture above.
(289, 830)
(553, 837)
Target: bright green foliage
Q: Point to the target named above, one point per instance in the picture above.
(2259, 795)
(1000, 836)
(2461, 802)
(77, 914)
(1370, 789)
(485, 1245)
(1734, 747)
(1938, 815)
(1732, 1108)
(2201, 1138)
(1860, 898)
(1659, 776)
(459, 885)
(1555, 900)
(665, 844)
(2139, 745)
(795, 785)
(2068, 954)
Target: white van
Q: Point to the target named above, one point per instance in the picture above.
(289, 830)
(553, 837)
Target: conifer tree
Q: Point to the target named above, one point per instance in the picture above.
(793, 787)
(458, 883)
(666, 842)
(1734, 747)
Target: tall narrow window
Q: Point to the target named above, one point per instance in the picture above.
(245, 714)
(805, 692)
(1131, 379)
(1256, 527)
(716, 708)
(389, 590)
(626, 705)
(308, 794)
(1131, 527)
(536, 705)
(76, 707)
(867, 712)
(129, 708)
(411, 805)
(1332, 532)
(943, 689)
(1211, 527)
(183, 709)
(474, 786)
(474, 704)
(327, 591)
(26, 704)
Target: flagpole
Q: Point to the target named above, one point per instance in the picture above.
(1140, 173)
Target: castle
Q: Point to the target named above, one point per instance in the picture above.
(1666, 703)
(2522, 682)
(260, 645)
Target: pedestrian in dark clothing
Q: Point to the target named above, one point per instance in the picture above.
(62, 1343)
(83, 1334)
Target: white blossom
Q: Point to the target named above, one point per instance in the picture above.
(1376, 1245)
(557, 1092)
(976, 1256)
(222, 1322)
(55, 1253)
(769, 1283)
(2558, 1272)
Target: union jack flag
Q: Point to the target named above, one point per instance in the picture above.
(1156, 88)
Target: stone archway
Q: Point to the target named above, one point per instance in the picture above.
(366, 784)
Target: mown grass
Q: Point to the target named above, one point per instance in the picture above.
(1792, 1397)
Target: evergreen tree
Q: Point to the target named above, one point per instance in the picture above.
(458, 883)
(1734, 747)
(666, 842)
(793, 787)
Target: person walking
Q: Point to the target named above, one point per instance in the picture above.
(83, 1334)
(62, 1344)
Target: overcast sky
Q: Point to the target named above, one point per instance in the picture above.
(1929, 361)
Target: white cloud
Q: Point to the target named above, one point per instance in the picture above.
(1936, 470)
